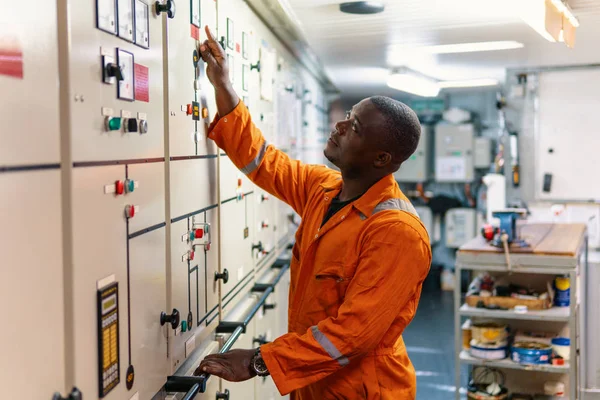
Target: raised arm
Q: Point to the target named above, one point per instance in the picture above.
(233, 131)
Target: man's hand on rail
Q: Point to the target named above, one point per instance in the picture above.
(233, 366)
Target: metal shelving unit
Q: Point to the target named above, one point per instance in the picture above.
(569, 259)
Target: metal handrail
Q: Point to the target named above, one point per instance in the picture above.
(193, 385)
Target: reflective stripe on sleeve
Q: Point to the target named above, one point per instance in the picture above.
(396, 204)
(328, 346)
(248, 169)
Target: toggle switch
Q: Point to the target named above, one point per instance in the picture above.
(172, 319)
(168, 7)
(258, 246)
(131, 125)
(223, 275)
(223, 395)
(114, 70)
(143, 126)
(255, 66)
(111, 71)
(265, 224)
(264, 197)
(112, 123)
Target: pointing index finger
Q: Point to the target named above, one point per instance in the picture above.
(209, 34)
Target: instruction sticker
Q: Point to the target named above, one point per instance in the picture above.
(141, 83)
(11, 58)
(194, 32)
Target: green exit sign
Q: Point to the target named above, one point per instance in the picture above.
(426, 106)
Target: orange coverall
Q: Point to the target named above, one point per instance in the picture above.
(355, 281)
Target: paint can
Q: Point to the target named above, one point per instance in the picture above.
(562, 289)
(496, 351)
(489, 332)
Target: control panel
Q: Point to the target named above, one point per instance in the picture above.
(417, 167)
(162, 234)
(108, 339)
(454, 152)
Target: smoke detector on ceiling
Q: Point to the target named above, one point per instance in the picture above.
(362, 7)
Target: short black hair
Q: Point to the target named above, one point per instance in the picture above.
(402, 126)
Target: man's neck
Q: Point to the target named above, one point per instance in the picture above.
(352, 188)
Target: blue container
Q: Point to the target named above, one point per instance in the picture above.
(531, 353)
(562, 291)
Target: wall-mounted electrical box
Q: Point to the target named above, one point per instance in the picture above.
(417, 167)
(460, 226)
(482, 157)
(454, 152)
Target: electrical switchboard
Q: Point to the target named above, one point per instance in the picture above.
(454, 152)
(460, 226)
(417, 167)
(163, 237)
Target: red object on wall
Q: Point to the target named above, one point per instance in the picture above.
(142, 89)
(11, 60)
(119, 187)
(194, 31)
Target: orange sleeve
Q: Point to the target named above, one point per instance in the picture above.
(269, 168)
(393, 263)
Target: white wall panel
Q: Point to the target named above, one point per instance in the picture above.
(32, 280)
(568, 136)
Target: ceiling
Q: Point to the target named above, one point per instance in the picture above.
(359, 50)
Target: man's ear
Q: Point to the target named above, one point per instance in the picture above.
(383, 159)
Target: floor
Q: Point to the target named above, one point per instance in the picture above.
(430, 343)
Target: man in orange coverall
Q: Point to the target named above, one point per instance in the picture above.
(360, 257)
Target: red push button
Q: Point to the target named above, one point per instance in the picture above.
(239, 182)
(119, 187)
(191, 255)
(130, 211)
(207, 246)
(189, 110)
(265, 225)
(199, 233)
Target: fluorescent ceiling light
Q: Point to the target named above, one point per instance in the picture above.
(412, 83)
(472, 47)
(468, 83)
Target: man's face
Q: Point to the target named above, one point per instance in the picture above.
(353, 145)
